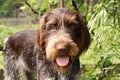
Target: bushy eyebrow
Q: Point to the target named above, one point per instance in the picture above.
(52, 21)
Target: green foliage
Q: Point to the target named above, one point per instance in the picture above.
(43, 6)
(1, 60)
(40, 6)
(7, 7)
(103, 54)
(5, 32)
(47, 5)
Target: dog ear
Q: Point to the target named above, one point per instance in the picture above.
(40, 34)
(84, 35)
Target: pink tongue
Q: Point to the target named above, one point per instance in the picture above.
(62, 61)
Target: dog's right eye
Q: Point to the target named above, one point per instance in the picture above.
(51, 27)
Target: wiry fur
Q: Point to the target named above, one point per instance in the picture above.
(62, 33)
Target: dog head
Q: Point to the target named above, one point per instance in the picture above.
(62, 36)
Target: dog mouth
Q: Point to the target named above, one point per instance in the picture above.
(62, 61)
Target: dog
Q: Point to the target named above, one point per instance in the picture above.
(52, 51)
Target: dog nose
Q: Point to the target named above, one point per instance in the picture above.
(62, 49)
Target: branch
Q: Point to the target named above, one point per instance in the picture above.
(61, 3)
(74, 5)
(104, 74)
(107, 72)
(109, 11)
(35, 12)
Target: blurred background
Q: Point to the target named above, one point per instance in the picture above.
(102, 60)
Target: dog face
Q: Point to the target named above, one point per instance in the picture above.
(62, 36)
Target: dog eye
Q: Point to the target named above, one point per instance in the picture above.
(52, 27)
(71, 25)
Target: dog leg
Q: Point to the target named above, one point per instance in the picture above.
(10, 69)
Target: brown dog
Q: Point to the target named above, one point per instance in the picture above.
(54, 54)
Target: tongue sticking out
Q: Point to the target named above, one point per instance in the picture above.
(62, 61)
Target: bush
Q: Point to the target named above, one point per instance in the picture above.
(102, 60)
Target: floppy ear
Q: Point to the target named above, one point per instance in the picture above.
(40, 34)
(84, 35)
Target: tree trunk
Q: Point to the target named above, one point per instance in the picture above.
(61, 3)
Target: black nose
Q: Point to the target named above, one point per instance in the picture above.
(62, 49)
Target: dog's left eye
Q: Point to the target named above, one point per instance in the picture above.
(71, 25)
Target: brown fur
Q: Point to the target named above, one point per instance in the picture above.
(61, 33)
